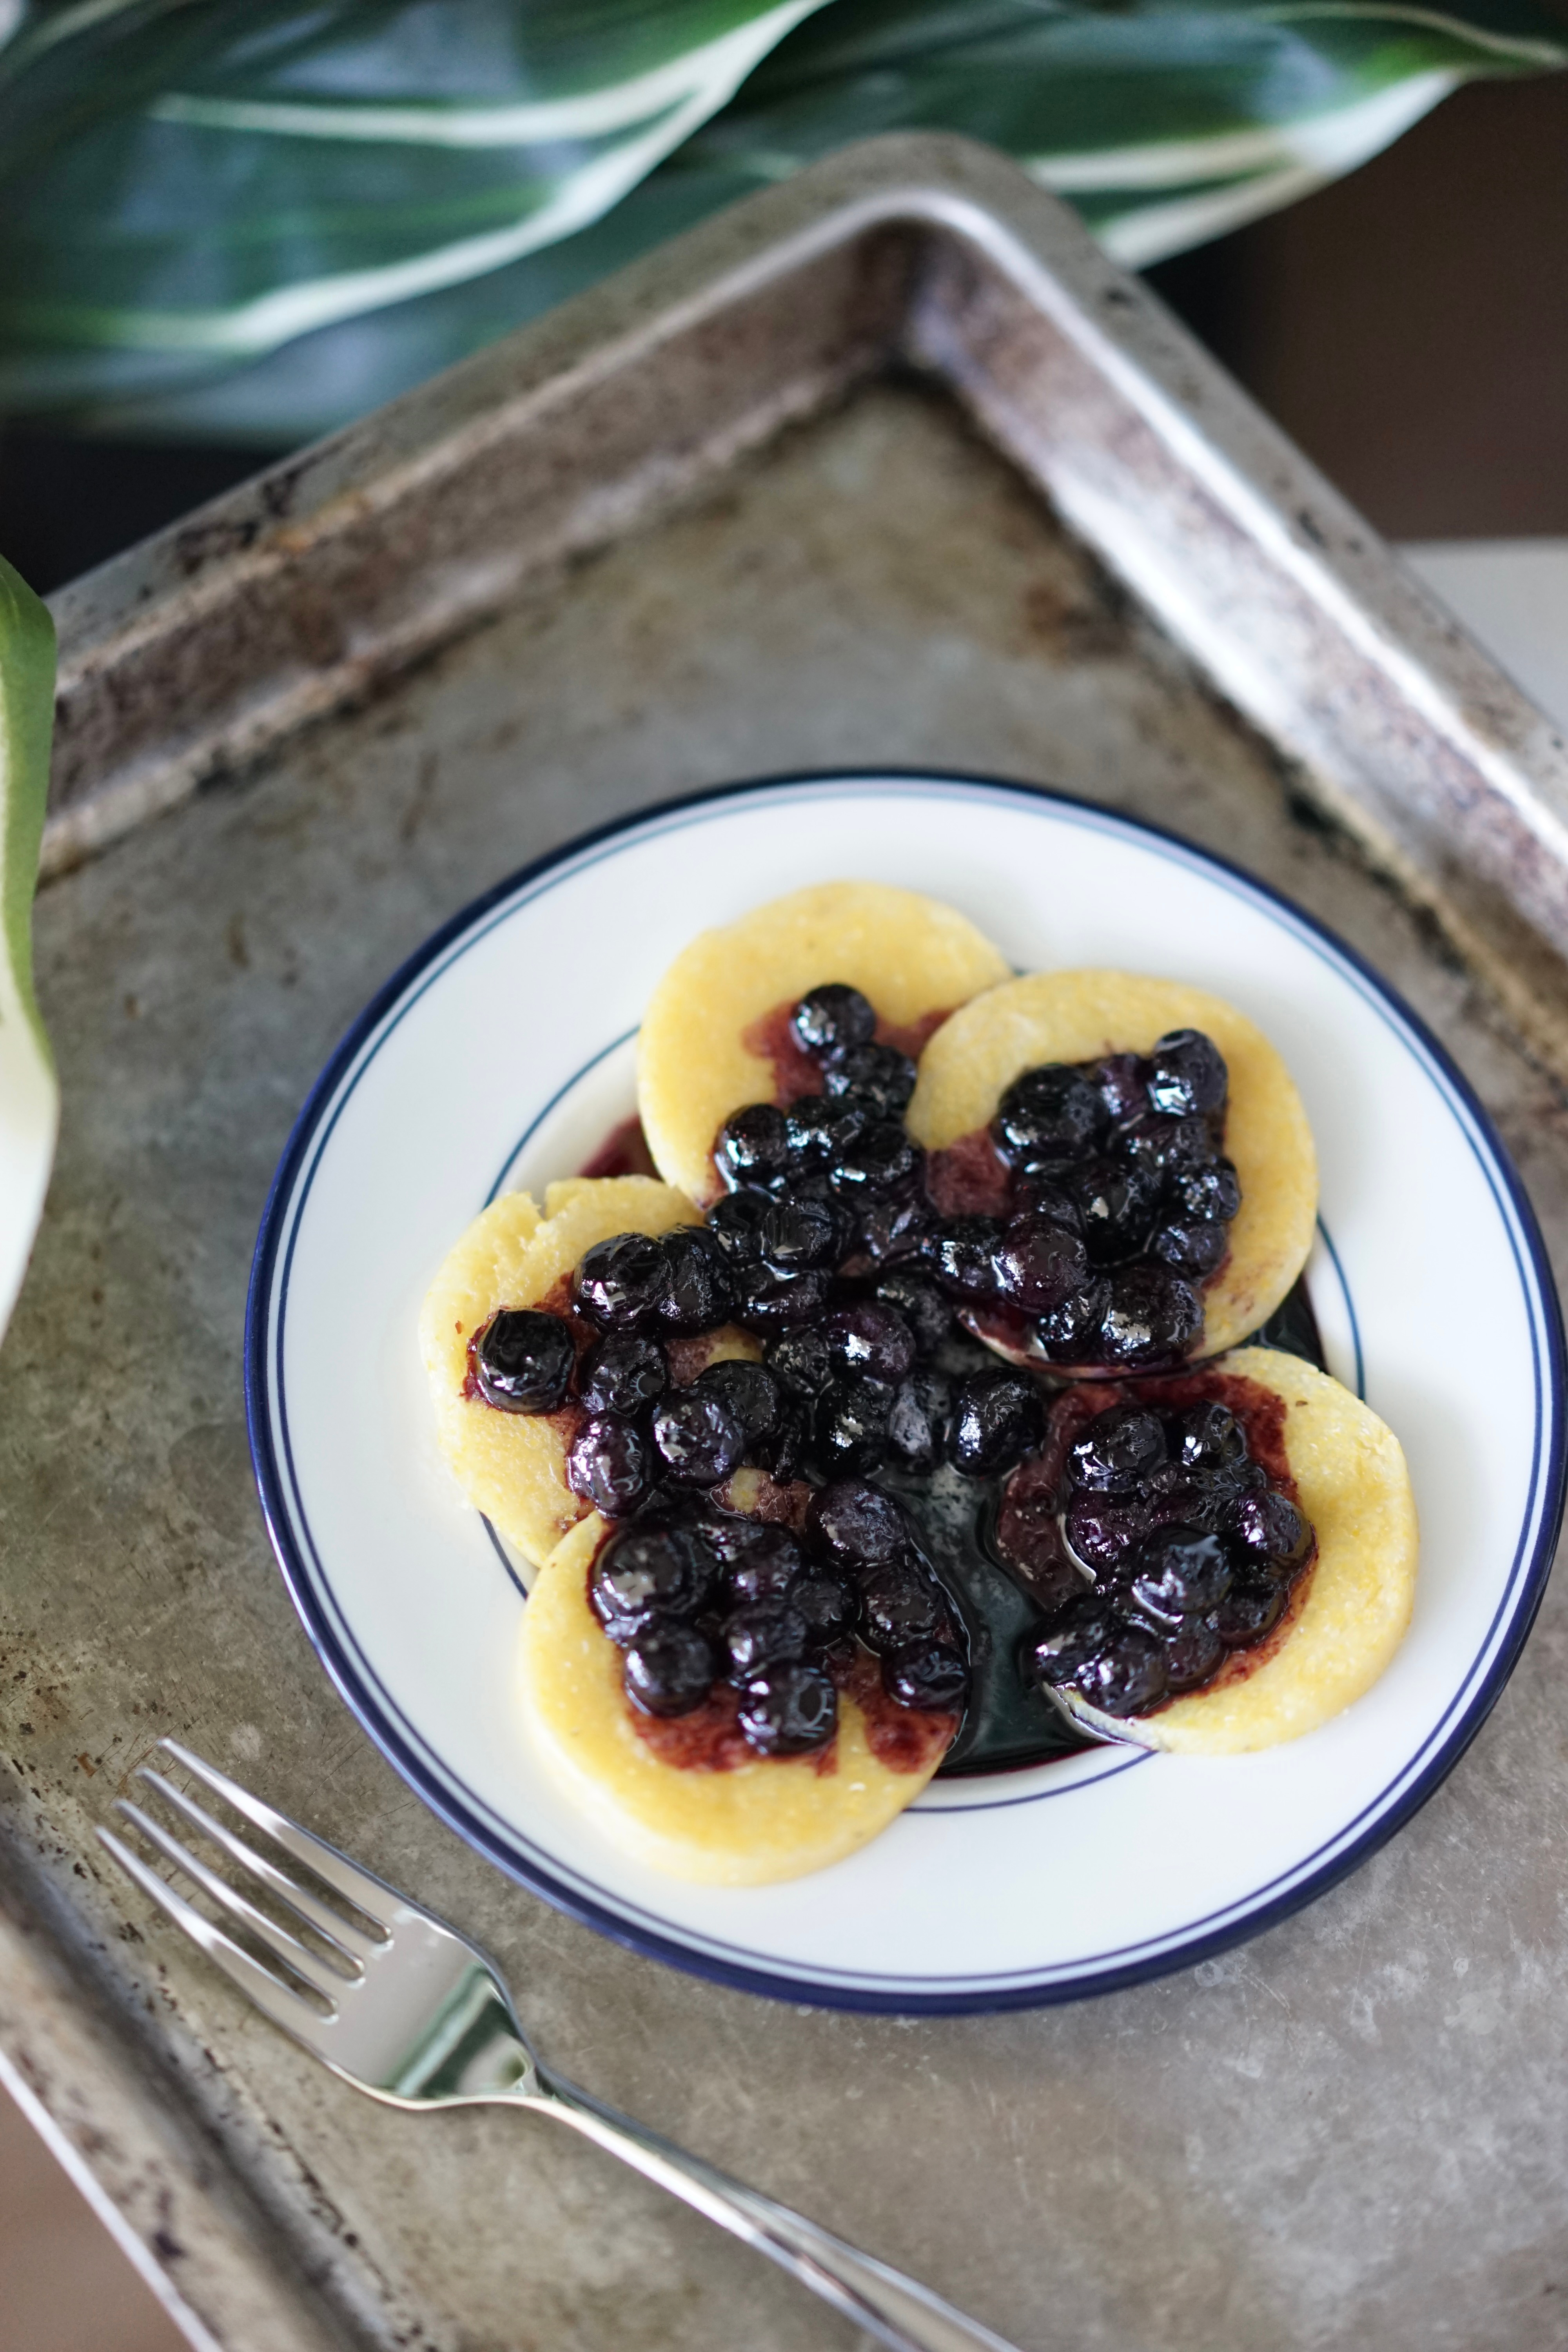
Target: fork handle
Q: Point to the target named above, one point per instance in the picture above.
(876, 2298)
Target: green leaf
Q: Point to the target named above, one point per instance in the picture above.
(258, 224)
(29, 1097)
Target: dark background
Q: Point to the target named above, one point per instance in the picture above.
(1408, 327)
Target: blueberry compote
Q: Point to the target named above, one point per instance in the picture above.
(1159, 1528)
(1084, 1223)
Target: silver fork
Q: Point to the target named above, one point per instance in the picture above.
(400, 2004)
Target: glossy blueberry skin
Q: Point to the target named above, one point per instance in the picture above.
(1191, 1654)
(963, 1256)
(767, 1569)
(1167, 1145)
(821, 1126)
(893, 1229)
(523, 1361)
(882, 1161)
(1070, 1333)
(916, 1297)
(918, 1420)
(996, 1418)
(1179, 1572)
(622, 1282)
(1187, 1074)
(772, 1299)
(1253, 1607)
(1153, 1315)
(832, 1016)
(878, 1075)
(1209, 1436)
(1128, 1677)
(929, 1676)
(1048, 1115)
(611, 1465)
(750, 1393)
(1119, 1447)
(698, 1439)
(623, 1374)
(668, 1670)
(1269, 1530)
(1122, 1082)
(1211, 1193)
(1049, 1197)
(802, 1360)
(827, 1605)
(854, 1524)
(870, 1338)
(1116, 1202)
(736, 1221)
(752, 1146)
(800, 1232)
(1101, 1527)
(1075, 1635)
(789, 1711)
(759, 1636)
(898, 1605)
(698, 1294)
(849, 1427)
(1038, 1265)
(644, 1572)
(1196, 1249)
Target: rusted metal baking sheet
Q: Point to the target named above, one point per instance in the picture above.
(888, 468)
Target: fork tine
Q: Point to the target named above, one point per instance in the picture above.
(327, 1924)
(371, 1896)
(276, 1999)
(295, 1955)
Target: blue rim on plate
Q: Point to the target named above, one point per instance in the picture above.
(466, 1813)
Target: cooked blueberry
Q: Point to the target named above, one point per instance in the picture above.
(1252, 1607)
(822, 1126)
(856, 1525)
(800, 1232)
(1191, 1653)
(850, 1429)
(1070, 1333)
(1128, 1676)
(752, 1145)
(668, 1670)
(832, 1016)
(763, 1634)
(643, 1572)
(1153, 1314)
(1119, 1447)
(917, 1298)
(749, 1392)
(918, 1420)
(698, 1293)
(1121, 1080)
(801, 1359)
(789, 1711)
(963, 1255)
(1074, 1635)
(1210, 1435)
(930, 1676)
(1170, 1146)
(995, 1421)
(610, 1464)
(1269, 1530)
(1039, 1266)
(1051, 1198)
(1195, 1249)
(773, 1297)
(1179, 1572)
(622, 1281)
(894, 1226)
(828, 1606)
(878, 1075)
(1048, 1115)
(623, 1374)
(523, 1361)
(736, 1221)
(767, 1568)
(1102, 1528)
(881, 1160)
(870, 1338)
(1117, 1202)
(698, 1439)
(898, 1605)
(1211, 1193)
(1187, 1074)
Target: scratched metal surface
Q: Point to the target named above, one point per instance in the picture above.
(1348, 2133)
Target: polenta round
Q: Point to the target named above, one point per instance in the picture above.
(775, 1818)
(1353, 1485)
(1077, 1016)
(910, 955)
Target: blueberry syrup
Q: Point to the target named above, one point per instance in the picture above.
(879, 1508)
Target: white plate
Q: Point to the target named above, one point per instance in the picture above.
(501, 1055)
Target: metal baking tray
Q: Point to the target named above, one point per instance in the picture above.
(888, 466)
